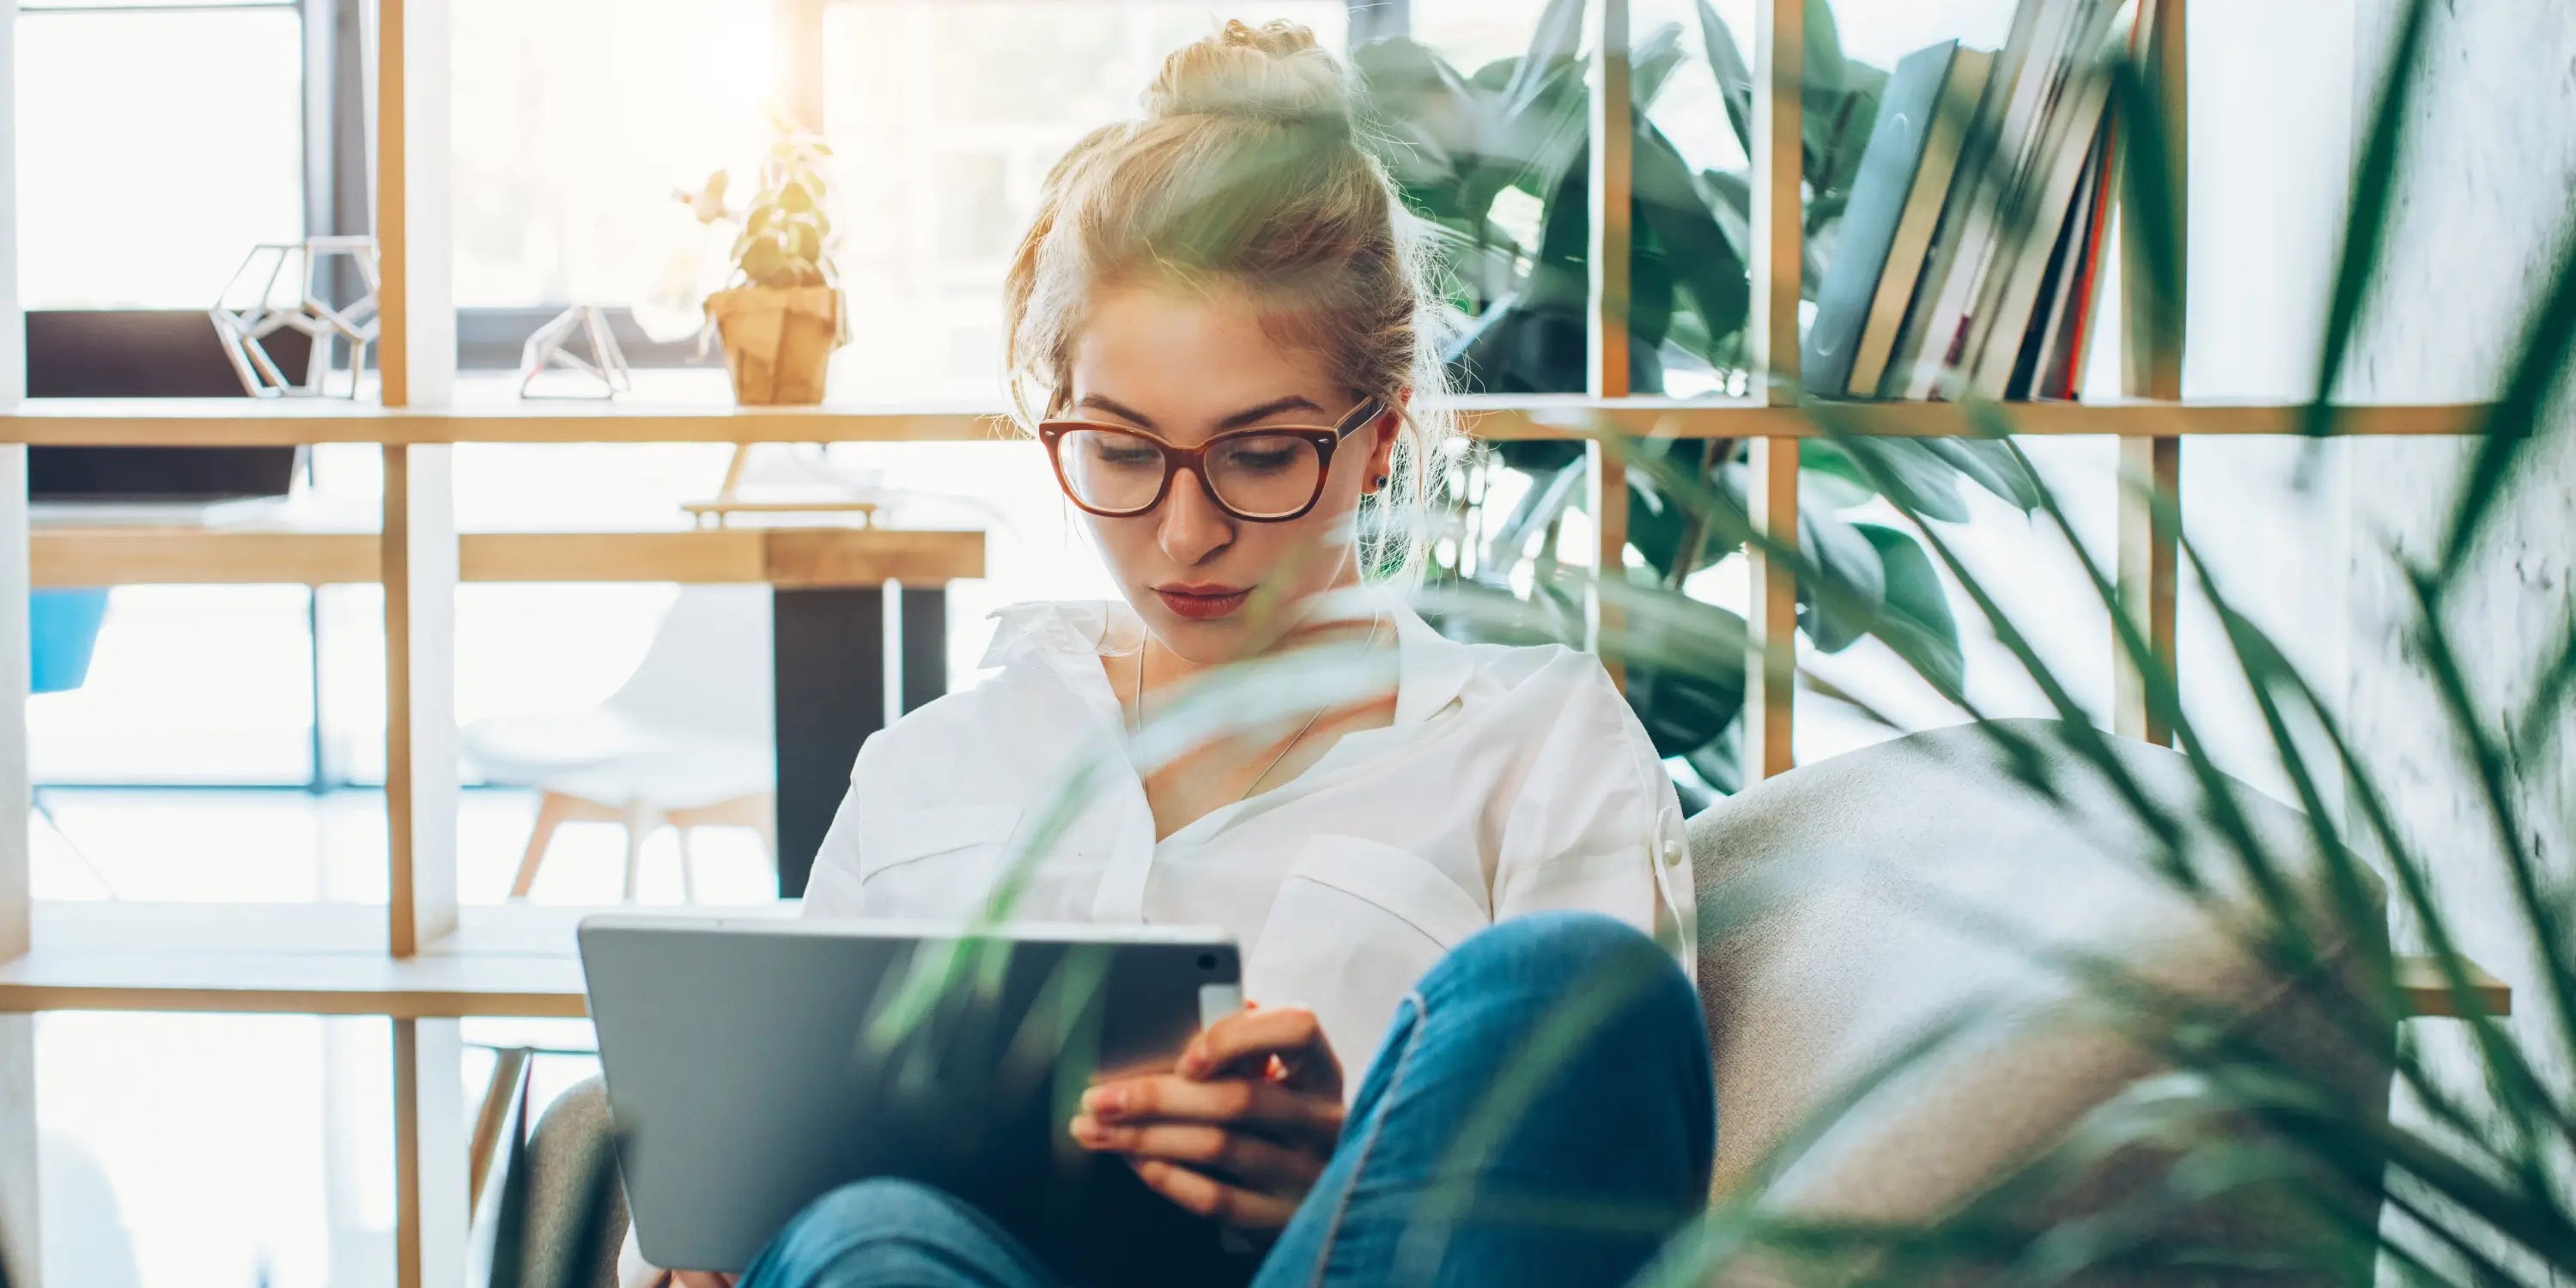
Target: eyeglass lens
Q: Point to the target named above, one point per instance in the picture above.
(1257, 475)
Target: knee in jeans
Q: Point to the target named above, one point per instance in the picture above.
(1571, 941)
(868, 1212)
(1580, 953)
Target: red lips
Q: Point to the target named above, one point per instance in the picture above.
(1203, 603)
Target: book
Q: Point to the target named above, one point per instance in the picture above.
(1910, 246)
(1881, 192)
(2059, 369)
(2081, 327)
(1936, 319)
(1983, 242)
(2069, 352)
(2035, 222)
(2044, 340)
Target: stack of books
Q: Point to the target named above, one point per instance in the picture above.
(1971, 250)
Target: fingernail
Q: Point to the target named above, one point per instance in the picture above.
(1102, 1102)
(1085, 1128)
(1194, 1063)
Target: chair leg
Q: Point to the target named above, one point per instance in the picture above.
(507, 1089)
(688, 865)
(641, 818)
(551, 811)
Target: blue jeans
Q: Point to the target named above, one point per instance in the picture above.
(1541, 1114)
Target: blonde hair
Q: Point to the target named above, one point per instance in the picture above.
(1246, 171)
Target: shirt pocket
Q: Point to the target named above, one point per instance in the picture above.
(1355, 924)
(935, 862)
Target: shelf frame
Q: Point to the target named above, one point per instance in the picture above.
(270, 423)
(1771, 467)
(20, 1261)
(786, 558)
(502, 961)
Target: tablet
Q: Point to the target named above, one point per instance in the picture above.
(753, 1066)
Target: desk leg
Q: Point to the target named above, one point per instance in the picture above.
(829, 652)
(925, 645)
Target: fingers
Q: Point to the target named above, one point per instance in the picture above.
(1284, 1111)
(1256, 1161)
(1208, 1197)
(1243, 1043)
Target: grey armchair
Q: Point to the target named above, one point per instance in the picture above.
(1852, 904)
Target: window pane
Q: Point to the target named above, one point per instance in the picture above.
(946, 117)
(153, 150)
(2036, 579)
(575, 121)
(202, 684)
(214, 1149)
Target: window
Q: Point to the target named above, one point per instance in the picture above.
(946, 116)
(574, 121)
(157, 143)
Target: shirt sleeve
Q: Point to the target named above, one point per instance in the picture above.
(833, 889)
(1596, 824)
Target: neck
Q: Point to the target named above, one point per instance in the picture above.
(1336, 613)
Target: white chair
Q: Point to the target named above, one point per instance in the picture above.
(686, 741)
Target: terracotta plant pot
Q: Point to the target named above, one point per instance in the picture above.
(778, 341)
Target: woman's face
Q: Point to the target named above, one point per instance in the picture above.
(1185, 367)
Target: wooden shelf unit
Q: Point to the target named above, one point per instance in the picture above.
(511, 960)
(508, 960)
(422, 961)
(153, 423)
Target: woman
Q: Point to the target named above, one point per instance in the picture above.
(1216, 328)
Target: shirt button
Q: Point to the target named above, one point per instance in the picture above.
(1674, 853)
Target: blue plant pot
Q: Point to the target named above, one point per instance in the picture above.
(62, 633)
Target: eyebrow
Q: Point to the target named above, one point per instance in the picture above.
(1248, 416)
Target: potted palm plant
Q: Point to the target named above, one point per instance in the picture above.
(781, 312)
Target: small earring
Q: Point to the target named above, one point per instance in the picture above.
(1381, 482)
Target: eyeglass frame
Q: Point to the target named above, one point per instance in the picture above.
(1177, 458)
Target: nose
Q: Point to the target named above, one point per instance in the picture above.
(1192, 528)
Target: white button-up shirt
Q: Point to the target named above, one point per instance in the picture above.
(1510, 780)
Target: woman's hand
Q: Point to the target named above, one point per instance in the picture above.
(701, 1279)
(1241, 1128)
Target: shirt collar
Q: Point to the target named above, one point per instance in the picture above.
(1057, 629)
(1431, 669)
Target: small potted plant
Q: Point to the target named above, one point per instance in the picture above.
(781, 313)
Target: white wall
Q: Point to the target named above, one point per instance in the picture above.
(2491, 162)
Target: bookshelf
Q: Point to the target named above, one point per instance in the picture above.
(422, 960)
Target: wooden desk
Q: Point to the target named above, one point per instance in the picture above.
(67, 555)
(827, 602)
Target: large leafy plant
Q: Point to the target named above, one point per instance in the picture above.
(1494, 166)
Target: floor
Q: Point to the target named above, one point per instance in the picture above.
(181, 1151)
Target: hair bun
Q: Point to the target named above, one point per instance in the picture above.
(1273, 72)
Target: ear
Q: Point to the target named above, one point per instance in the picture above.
(1390, 423)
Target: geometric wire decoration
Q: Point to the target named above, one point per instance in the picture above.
(551, 348)
(243, 320)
